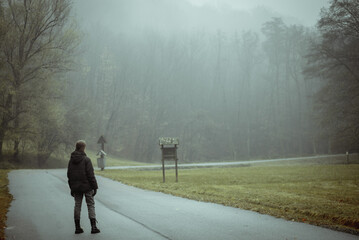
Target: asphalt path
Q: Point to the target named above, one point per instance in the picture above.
(223, 164)
(43, 209)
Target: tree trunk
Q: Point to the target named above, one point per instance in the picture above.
(329, 146)
(314, 146)
(2, 136)
(16, 128)
(5, 123)
(42, 158)
(16, 150)
(248, 140)
(16, 142)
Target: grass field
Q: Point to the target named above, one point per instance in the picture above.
(325, 195)
(5, 200)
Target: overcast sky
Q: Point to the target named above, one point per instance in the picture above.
(307, 11)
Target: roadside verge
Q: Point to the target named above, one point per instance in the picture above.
(5, 200)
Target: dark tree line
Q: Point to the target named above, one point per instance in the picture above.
(334, 59)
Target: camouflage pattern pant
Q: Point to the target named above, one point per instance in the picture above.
(89, 201)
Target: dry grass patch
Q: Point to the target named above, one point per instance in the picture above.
(5, 200)
(325, 195)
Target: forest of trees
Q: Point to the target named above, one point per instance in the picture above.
(286, 90)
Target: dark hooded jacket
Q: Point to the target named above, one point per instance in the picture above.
(80, 173)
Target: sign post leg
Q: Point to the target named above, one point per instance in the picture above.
(163, 169)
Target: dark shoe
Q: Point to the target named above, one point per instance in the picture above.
(78, 227)
(94, 229)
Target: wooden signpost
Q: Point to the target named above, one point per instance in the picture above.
(102, 141)
(169, 152)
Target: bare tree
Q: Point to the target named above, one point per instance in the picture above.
(335, 60)
(38, 44)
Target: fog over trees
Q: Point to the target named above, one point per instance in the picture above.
(230, 84)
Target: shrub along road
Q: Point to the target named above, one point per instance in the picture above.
(43, 209)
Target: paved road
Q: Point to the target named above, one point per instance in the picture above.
(43, 209)
(219, 164)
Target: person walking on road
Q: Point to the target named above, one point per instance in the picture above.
(82, 182)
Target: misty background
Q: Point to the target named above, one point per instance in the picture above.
(226, 81)
(231, 79)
